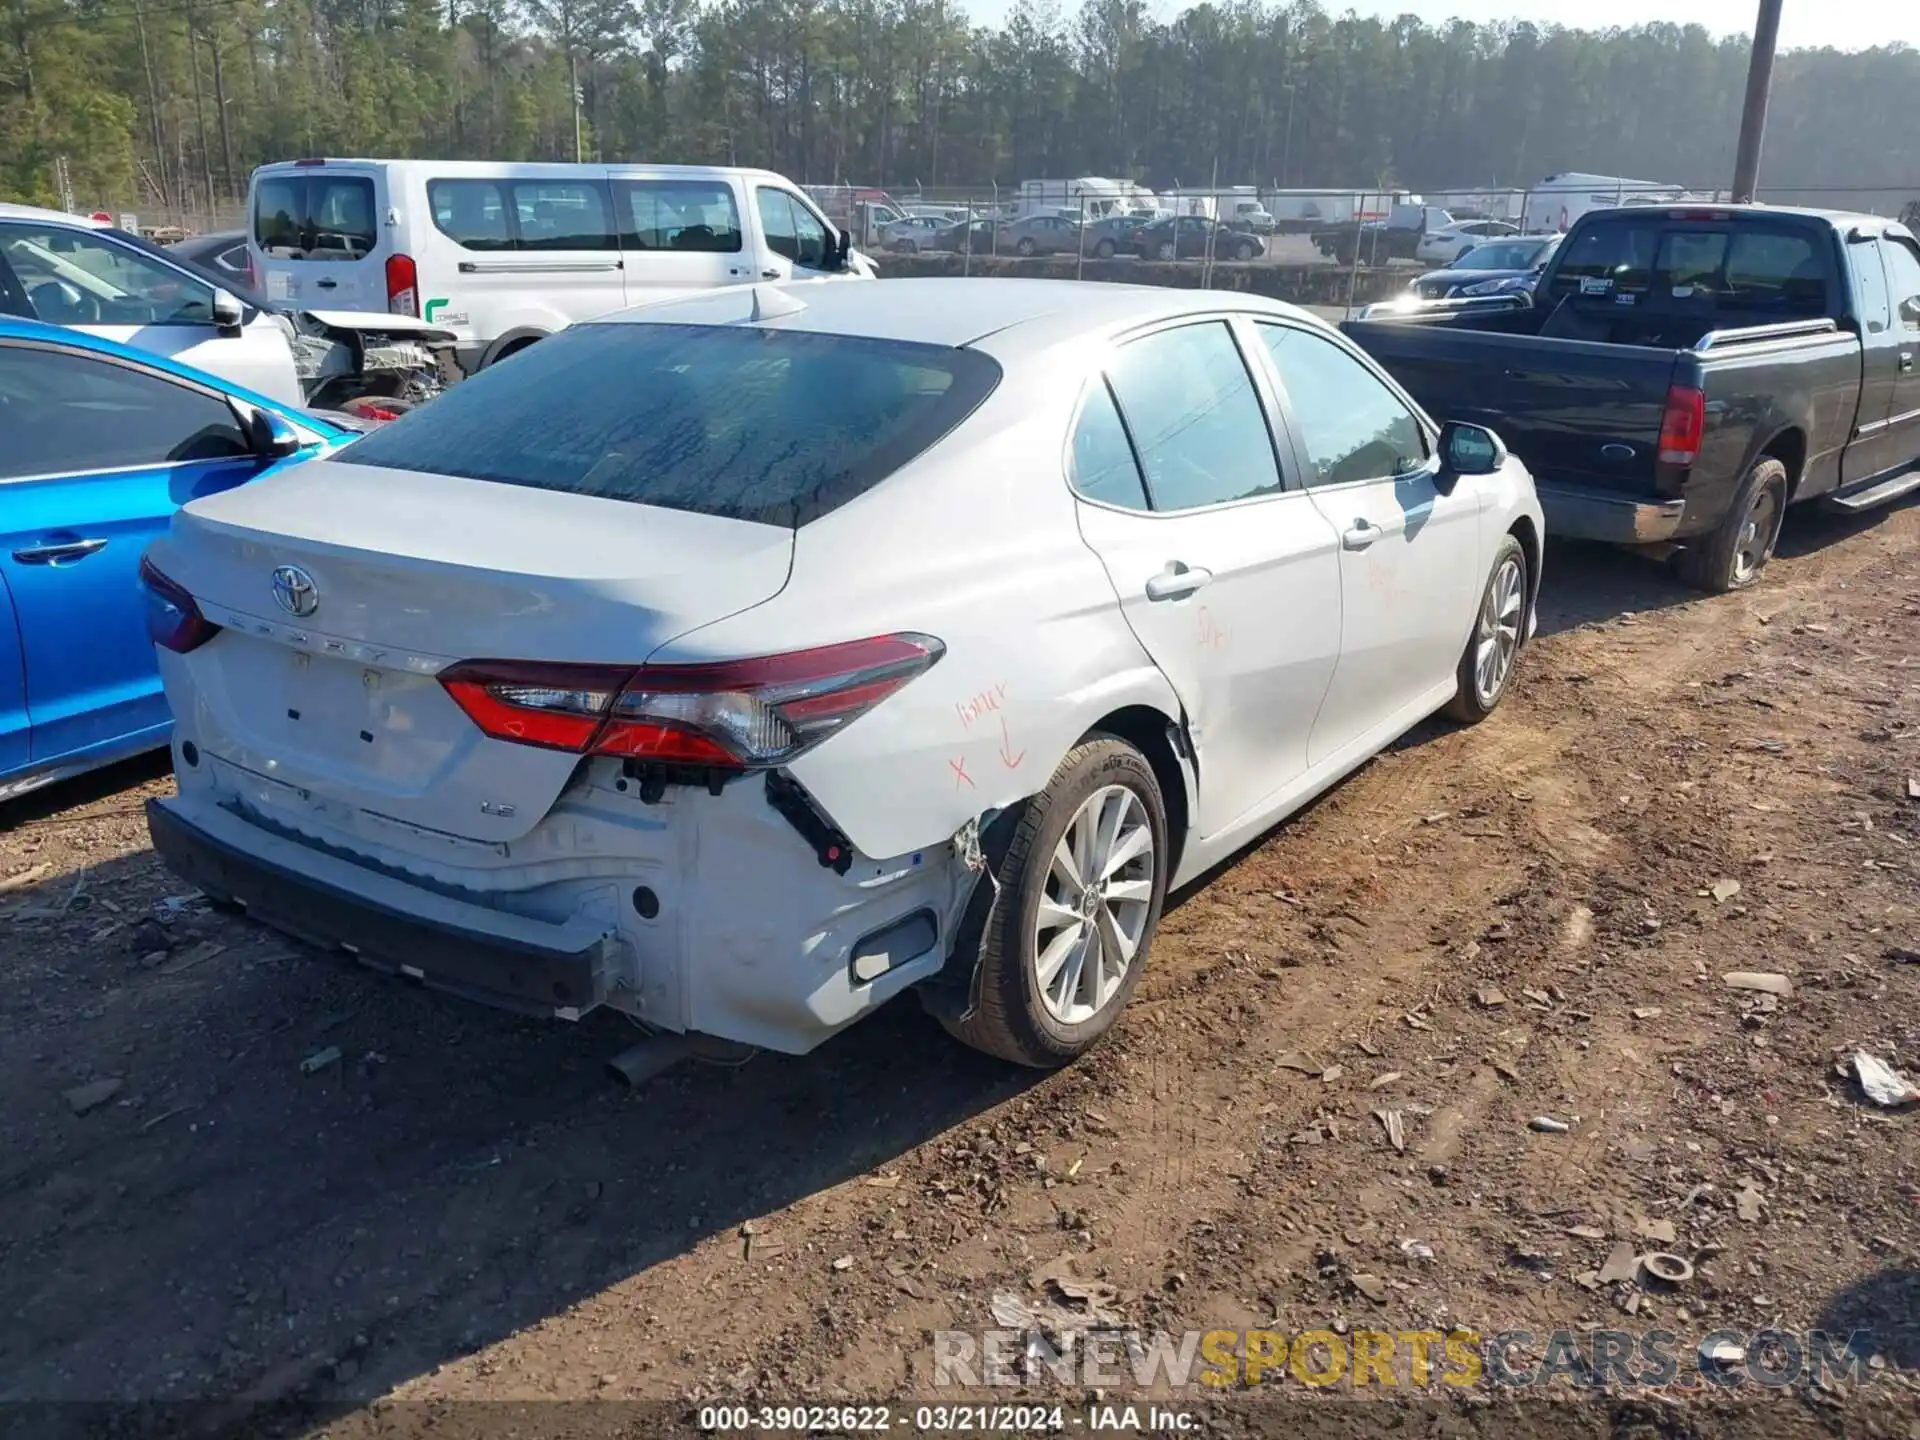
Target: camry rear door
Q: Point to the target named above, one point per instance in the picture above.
(1230, 579)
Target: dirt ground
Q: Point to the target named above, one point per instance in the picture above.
(1527, 919)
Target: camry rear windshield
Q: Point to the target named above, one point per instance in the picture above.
(772, 426)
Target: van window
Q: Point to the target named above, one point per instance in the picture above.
(698, 215)
(315, 217)
(471, 213)
(561, 215)
(772, 426)
(791, 229)
(521, 214)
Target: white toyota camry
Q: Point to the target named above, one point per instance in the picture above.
(743, 661)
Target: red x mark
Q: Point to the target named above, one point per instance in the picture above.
(960, 776)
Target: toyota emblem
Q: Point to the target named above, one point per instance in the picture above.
(294, 590)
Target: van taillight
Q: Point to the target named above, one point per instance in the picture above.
(253, 273)
(403, 286)
(1681, 427)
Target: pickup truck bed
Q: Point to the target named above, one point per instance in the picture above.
(1670, 358)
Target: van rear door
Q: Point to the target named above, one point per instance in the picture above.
(317, 235)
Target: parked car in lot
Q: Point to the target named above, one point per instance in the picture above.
(1188, 237)
(1377, 242)
(530, 757)
(504, 254)
(225, 252)
(1111, 235)
(978, 237)
(1499, 267)
(905, 233)
(73, 271)
(102, 442)
(1041, 234)
(1446, 244)
(1681, 374)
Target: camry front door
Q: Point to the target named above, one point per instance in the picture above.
(1410, 571)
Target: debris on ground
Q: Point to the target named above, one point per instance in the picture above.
(1765, 982)
(1661, 1232)
(1724, 890)
(1371, 1286)
(845, 1262)
(24, 878)
(84, 1098)
(1395, 1126)
(1622, 1264)
(1547, 1125)
(1305, 1064)
(320, 1059)
(1666, 1267)
(1489, 998)
(1749, 1203)
(1416, 1249)
(1883, 1085)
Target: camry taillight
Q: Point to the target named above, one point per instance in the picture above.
(730, 714)
(173, 619)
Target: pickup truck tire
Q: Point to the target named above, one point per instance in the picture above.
(1732, 557)
(1104, 800)
(1492, 653)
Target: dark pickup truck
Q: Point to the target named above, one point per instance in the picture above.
(1681, 375)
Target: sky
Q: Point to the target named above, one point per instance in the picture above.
(1843, 24)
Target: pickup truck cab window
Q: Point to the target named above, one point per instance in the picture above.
(1903, 278)
(1352, 426)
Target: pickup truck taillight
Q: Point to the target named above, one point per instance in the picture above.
(1682, 425)
(734, 714)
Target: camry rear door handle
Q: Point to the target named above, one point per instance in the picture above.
(1906, 360)
(59, 552)
(1177, 581)
(1360, 535)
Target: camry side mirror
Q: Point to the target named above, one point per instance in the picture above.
(1470, 449)
(228, 313)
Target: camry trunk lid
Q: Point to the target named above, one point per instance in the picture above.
(342, 591)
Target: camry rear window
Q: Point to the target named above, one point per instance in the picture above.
(773, 426)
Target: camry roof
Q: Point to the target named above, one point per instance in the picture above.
(939, 310)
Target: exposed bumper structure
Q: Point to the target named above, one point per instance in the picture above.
(1575, 513)
(451, 944)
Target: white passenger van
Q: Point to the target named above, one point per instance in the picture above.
(504, 254)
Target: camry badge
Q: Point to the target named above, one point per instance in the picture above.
(294, 591)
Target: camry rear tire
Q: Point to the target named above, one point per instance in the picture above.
(1080, 891)
(1499, 632)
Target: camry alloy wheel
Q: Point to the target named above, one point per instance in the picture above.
(1497, 634)
(1094, 908)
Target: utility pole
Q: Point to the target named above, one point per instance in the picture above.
(573, 85)
(1753, 119)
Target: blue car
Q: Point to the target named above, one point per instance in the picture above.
(99, 445)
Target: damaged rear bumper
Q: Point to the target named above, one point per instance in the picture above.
(503, 959)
